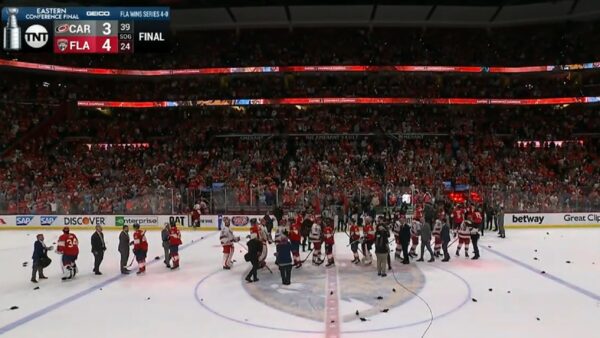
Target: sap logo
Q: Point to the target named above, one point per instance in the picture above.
(528, 219)
(47, 220)
(240, 221)
(24, 220)
(178, 219)
(97, 13)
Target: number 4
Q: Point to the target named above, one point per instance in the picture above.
(106, 45)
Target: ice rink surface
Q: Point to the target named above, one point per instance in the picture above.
(504, 294)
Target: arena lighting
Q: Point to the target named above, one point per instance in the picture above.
(339, 100)
(298, 69)
(543, 144)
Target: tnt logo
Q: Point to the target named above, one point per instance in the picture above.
(36, 36)
(47, 220)
(24, 220)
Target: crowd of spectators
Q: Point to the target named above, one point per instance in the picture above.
(413, 85)
(381, 154)
(528, 158)
(556, 43)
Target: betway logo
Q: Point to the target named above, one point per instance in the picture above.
(528, 219)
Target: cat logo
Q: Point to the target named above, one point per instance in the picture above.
(62, 44)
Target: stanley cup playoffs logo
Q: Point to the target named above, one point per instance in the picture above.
(11, 40)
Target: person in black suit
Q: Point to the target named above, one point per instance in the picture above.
(445, 235)
(40, 258)
(124, 243)
(404, 241)
(254, 251)
(98, 248)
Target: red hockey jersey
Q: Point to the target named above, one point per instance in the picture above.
(139, 240)
(328, 235)
(68, 245)
(369, 232)
(295, 235)
(174, 236)
(354, 232)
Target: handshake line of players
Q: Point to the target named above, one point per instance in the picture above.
(360, 240)
(68, 247)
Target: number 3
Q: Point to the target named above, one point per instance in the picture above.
(106, 27)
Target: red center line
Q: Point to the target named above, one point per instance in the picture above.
(332, 308)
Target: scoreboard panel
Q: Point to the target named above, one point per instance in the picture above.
(89, 30)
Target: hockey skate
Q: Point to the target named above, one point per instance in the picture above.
(457, 253)
(420, 259)
(466, 254)
(431, 260)
(330, 263)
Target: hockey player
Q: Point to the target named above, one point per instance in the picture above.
(396, 231)
(437, 238)
(464, 237)
(227, 240)
(196, 216)
(474, 233)
(263, 237)
(415, 231)
(458, 216)
(282, 230)
(295, 239)
(140, 248)
(315, 237)
(68, 247)
(174, 243)
(354, 239)
(477, 219)
(368, 240)
(329, 239)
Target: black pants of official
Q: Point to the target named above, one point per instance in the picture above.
(98, 258)
(286, 274)
(304, 241)
(474, 240)
(124, 259)
(445, 250)
(252, 274)
(405, 259)
(37, 269)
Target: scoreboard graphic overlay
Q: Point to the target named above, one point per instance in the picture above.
(92, 30)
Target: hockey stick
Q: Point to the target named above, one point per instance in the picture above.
(307, 256)
(266, 266)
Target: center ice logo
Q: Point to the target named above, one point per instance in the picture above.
(306, 296)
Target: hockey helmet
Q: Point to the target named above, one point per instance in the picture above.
(66, 230)
(226, 221)
(136, 226)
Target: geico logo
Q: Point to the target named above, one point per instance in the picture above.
(84, 220)
(74, 28)
(97, 13)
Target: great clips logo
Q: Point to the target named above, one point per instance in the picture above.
(24, 220)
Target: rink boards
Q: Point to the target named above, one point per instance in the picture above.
(212, 222)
